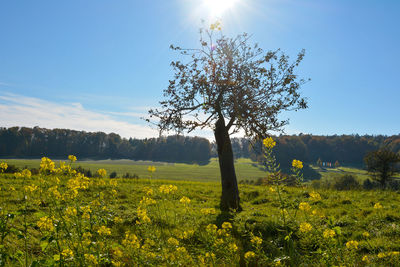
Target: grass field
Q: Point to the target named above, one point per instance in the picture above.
(245, 169)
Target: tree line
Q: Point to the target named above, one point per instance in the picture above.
(23, 142)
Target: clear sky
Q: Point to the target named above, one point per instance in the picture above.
(99, 65)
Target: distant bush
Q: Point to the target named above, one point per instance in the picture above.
(87, 173)
(113, 174)
(392, 185)
(346, 182)
(11, 169)
(128, 175)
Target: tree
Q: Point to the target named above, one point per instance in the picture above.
(228, 85)
(382, 165)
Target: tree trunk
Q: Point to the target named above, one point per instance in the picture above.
(230, 191)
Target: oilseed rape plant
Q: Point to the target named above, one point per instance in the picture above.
(59, 217)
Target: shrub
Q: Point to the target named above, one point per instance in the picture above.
(113, 174)
(346, 182)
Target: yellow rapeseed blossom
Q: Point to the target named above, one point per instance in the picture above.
(352, 245)
(297, 164)
(233, 247)
(47, 164)
(305, 227)
(151, 169)
(211, 228)
(3, 166)
(67, 253)
(226, 225)
(91, 259)
(378, 206)
(185, 200)
(143, 217)
(304, 206)
(168, 189)
(315, 196)
(216, 26)
(45, 224)
(102, 172)
(365, 258)
(188, 234)
(26, 173)
(148, 191)
(70, 211)
(366, 234)
(30, 188)
(249, 255)
(172, 241)
(103, 230)
(131, 240)
(255, 240)
(117, 219)
(72, 158)
(147, 201)
(269, 142)
(382, 255)
(207, 211)
(394, 253)
(329, 233)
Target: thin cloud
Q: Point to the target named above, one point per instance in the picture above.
(17, 110)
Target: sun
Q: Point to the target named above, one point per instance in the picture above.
(218, 7)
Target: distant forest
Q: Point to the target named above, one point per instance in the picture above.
(23, 142)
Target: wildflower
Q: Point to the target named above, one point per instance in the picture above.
(70, 211)
(305, 227)
(67, 253)
(26, 173)
(382, 255)
(365, 259)
(148, 191)
(168, 189)
(72, 158)
(45, 224)
(366, 234)
(118, 253)
(172, 241)
(102, 172)
(256, 241)
(304, 206)
(12, 188)
(216, 26)
(329, 233)
(297, 164)
(233, 247)
(378, 206)
(269, 142)
(91, 259)
(207, 211)
(117, 219)
(218, 241)
(272, 190)
(187, 234)
(3, 166)
(315, 196)
(104, 230)
(151, 169)
(226, 225)
(143, 217)
(249, 255)
(30, 188)
(47, 165)
(211, 228)
(147, 201)
(184, 200)
(352, 245)
(131, 240)
(394, 253)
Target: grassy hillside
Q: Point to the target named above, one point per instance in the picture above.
(64, 218)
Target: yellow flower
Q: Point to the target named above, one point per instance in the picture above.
(67, 253)
(172, 241)
(305, 227)
(315, 196)
(185, 200)
(72, 158)
(30, 188)
(26, 173)
(70, 211)
(329, 233)
(91, 259)
(151, 169)
(117, 219)
(47, 164)
(12, 188)
(226, 225)
(304, 206)
(256, 241)
(187, 234)
(352, 245)
(102, 172)
(378, 206)
(45, 224)
(249, 254)
(147, 201)
(211, 228)
(382, 255)
(104, 230)
(297, 164)
(394, 253)
(272, 190)
(148, 191)
(365, 258)
(233, 247)
(207, 211)
(269, 142)
(366, 234)
(215, 26)
(131, 240)
(3, 166)
(168, 189)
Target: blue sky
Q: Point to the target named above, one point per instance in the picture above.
(99, 65)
